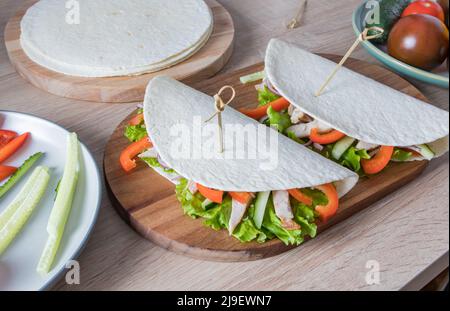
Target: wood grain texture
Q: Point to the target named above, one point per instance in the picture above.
(148, 203)
(203, 64)
(407, 232)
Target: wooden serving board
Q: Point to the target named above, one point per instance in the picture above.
(204, 64)
(147, 201)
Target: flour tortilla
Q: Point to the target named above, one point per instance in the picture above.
(354, 104)
(115, 37)
(169, 103)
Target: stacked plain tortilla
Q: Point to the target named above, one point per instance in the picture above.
(358, 106)
(114, 37)
(170, 104)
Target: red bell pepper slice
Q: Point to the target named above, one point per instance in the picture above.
(215, 196)
(9, 149)
(325, 138)
(127, 156)
(137, 120)
(329, 210)
(6, 171)
(6, 136)
(242, 197)
(300, 196)
(378, 162)
(260, 112)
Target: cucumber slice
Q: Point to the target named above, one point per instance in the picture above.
(253, 77)
(426, 152)
(39, 182)
(17, 176)
(341, 147)
(63, 205)
(260, 208)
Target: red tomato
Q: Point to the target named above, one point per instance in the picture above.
(425, 7)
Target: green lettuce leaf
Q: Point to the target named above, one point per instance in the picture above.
(273, 224)
(305, 216)
(327, 151)
(265, 96)
(319, 198)
(246, 231)
(192, 204)
(153, 162)
(352, 158)
(278, 120)
(292, 136)
(401, 155)
(135, 133)
(218, 217)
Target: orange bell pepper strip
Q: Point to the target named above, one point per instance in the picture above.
(6, 171)
(242, 197)
(329, 210)
(127, 156)
(6, 136)
(379, 161)
(260, 112)
(325, 138)
(300, 196)
(10, 148)
(215, 196)
(137, 119)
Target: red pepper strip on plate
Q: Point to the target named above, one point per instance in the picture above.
(242, 197)
(6, 171)
(10, 148)
(215, 196)
(325, 138)
(132, 151)
(6, 137)
(137, 120)
(300, 196)
(260, 112)
(379, 161)
(329, 210)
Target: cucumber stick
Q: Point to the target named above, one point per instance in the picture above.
(63, 205)
(23, 206)
(426, 152)
(17, 176)
(341, 147)
(260, 208)
(253, 77)
(6, 215)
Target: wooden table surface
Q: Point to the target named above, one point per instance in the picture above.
(407, 233)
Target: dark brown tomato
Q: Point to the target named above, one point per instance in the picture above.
(420, 41)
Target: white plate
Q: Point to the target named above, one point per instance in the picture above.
(18, 263)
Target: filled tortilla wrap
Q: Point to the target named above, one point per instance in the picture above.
(353, 104)
(170, 105)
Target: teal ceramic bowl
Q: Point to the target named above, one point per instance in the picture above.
(438, 77)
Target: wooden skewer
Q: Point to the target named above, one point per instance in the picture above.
(298, 17)
(220, 107)
(362, 37)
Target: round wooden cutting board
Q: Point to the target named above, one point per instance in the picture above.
(147, 201)
(204, 64)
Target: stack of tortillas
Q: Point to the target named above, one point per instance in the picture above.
(106, 38)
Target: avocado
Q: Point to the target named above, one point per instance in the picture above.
(390, 13)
